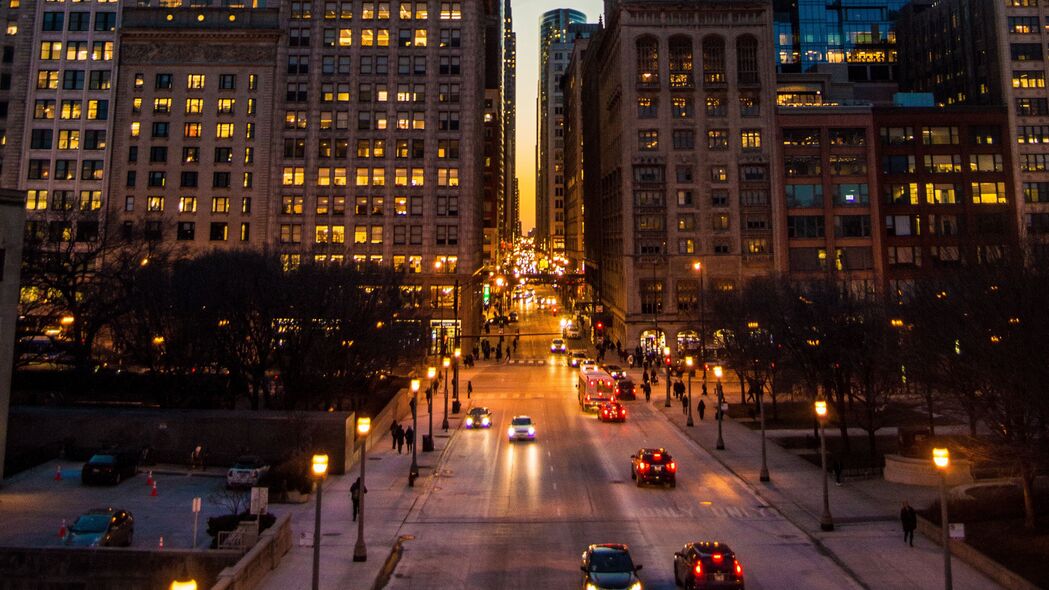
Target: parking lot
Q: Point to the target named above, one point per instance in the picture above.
(33, 504)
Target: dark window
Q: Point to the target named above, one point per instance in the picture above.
(186, 230)
(53, 21)
(163, 81)
(188, 179)
(105, 21)
(41, 139)
(79, 21)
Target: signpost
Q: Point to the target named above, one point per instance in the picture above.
(196, 519)
(260, 501)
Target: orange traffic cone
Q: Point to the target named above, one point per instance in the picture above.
(153, 492)
(149, 478)
(62, 530)
(160, 545)
(58, 473)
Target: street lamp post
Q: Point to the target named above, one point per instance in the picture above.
(688, 366)
(666, 363)
(431, 374)
(180, 585)
(718, 372)
(320, 471)
(942, 459)
(413, 471)
(455, 372)
(764, 475)
(446, 362)
(360, 552)
(826, 522)
(698, 267)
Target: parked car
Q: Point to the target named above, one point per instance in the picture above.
(109, 467)
(609, 566)
(707, 565)
(102, 527)
(626, 389)
(246, 472)
(653, 466)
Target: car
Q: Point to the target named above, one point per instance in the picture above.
(575, 358)
(587, 365)
(609, 565)
(704, 565)
(246, 472)
(513, 317)
(612, 411)
(615, 371)
(109, 467)
(653, 466)
(557, 345)
(626, 389)
(479, 417)
(521, 427)
(102, 527)
(572, 330)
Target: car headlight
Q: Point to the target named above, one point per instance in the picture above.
(590, 586)
(469, 421)
(485, 421)
(531, 431)
(636, 586)
(510, 431)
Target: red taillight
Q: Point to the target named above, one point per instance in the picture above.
(642, 466)
(657, 456)
(739, 569)
(672, 467)
(717, 557)
(699, 568)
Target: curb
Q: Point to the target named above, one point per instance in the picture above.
(759, 492)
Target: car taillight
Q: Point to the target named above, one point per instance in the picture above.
(657, 457)
(642, 466)
(672, 467)
(699, 568)
(739, 569)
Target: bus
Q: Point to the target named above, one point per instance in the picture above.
(595, 387)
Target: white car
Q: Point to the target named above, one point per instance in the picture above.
(573, 331)
(588, 365)
(521, 428)
(557, 345)
(246, 472)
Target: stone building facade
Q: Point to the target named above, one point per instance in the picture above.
(683, 96)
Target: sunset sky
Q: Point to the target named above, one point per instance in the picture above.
(526, 24)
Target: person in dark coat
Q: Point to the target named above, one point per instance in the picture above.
(393, 435)
(679, 389)
(409, 438)
(702, 407)
(355, 496)
(909, 520)
(398, 438)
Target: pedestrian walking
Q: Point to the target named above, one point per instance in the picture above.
(909, 520)
(838, 468)
(644, 375)
(702, 407)
(648, 391)
(399, 437)
(469, 389)
(355, 496)
(679, 389)
(393, 435)
(630, 359)
(508, 355)
(409, 438)
(684, 405)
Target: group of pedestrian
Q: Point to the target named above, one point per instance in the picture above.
(402, 436)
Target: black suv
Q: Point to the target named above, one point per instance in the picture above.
(609, 566)
(707, 565)
(653, 466)
(109, 467)
(626, 389)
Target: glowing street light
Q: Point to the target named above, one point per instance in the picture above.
(826, 521)
(688, 364)
(445, 362)
(360, 552)
(180, 585)
(319, 468)
(941, 458)
(720, 391)
(413, 471)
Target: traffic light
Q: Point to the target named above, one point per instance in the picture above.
(599, 328)
(666, 359)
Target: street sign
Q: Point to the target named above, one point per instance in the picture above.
(957, 530)
(196, 505)
(260, 499)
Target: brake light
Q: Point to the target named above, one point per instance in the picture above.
(672, 467)
(717, 557)
(657, 456)
(739, 569)
(642, 466)
(699, 568)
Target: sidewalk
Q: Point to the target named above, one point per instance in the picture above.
(386, 506)
(867, 541)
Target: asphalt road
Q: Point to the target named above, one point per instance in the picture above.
(519, 515)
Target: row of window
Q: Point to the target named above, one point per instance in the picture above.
(194, 106)
(681, 63)
(647, 174)
(64, 169)
(848, 258)
(681, 107)
(940, 135)
(687, 222)
(296, 176)
(97, 110)
(814, 226)
(63, 200)
(853, 165)
(194, 130)
(73, 79)
(78, 21)
(191, 155)
(685, 139)
(165, 81)
(294, 205)
(417, 10)
(76, 50)
(300, 37)
(447, 149)
(68, 139)
(159, 179)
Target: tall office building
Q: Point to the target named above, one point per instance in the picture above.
(67, 131)
(510, 221)
(556, 35)
(676, 162)
(854, 39)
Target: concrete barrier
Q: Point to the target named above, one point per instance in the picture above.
(921, 472)
(970, 555)
(264, 557)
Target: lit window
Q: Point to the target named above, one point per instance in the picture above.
(195, 81)
(224, 131)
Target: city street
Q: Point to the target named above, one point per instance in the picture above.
(515, 515)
